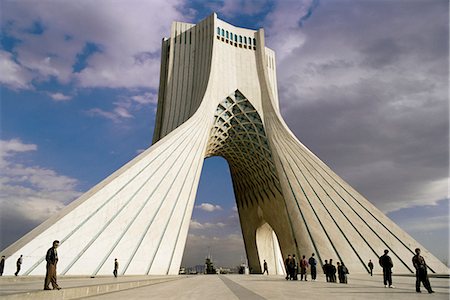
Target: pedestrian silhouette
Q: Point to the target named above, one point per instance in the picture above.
(18, 265)
(2, 265)
(386, 263)
(313, 263)
(52, 260)
(370, 265)
(116, 267)
(421, 272)
(265, 268)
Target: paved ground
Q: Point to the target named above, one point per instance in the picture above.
(248, 287)
(257, 287)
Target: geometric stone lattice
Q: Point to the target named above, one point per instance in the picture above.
(238, 135)
(217, 96)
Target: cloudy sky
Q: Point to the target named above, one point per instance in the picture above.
(364, 84)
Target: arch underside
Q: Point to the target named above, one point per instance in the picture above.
(277, 181)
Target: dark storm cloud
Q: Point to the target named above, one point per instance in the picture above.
(368, 93)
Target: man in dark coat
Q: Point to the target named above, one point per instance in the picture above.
(342, 272)
(2, 265)
(332, 271)
(52, 260)
(116, 267)
(313, 263)
(289, 265)
(295, 270)
(326, 270)
(386, 264)
(370, 265)
(18, 264)
(421, 272)
(265, 268)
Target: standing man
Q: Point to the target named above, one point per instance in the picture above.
(289, 265)
(116, 267)
(370, 265)
(265, 268)
(18, 265)
(303, 267)
(421, 272)
(2, 265)
(52, 260)
(326, 270)
(332, 271)
(313, 263)
(295, 271)
(386, 264)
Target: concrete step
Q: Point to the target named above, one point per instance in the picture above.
(31, 287)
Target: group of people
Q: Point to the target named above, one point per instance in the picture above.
(330, 271)
(293, 268)
(52, 260)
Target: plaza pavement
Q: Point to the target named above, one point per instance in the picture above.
(218, 287)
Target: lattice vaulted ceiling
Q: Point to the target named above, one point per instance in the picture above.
(238, 135)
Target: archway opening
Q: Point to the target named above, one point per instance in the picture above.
(269, 250)
(214, 229)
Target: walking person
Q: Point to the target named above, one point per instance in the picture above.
(303, 268)
(116, 267)
(370, 265)
(421, 272)
(313, 263)
(19, 264)
(265, 268)
(386, 264)
(2, 265)
(52, 260)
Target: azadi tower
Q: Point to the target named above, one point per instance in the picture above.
(217, 97)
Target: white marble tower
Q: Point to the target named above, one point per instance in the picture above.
(217, 96)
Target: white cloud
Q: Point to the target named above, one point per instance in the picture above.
(125, 107)
(31, 193)
(59, 97)
(127, 34)
(146, 98)
(209, 207)
(247, 7)
(12, 74)
(207, 225)
(283, 32)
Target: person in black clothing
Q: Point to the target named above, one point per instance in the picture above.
(289, 265)
(116, 267)
(342, 272)
(18, 264)
(52, 260)
(2, 265)
(313, 263)
(332, 271)
(295, 270)
(421, 272)
(386, 263)
(326, 270)
(265, 268)
(370, 265)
